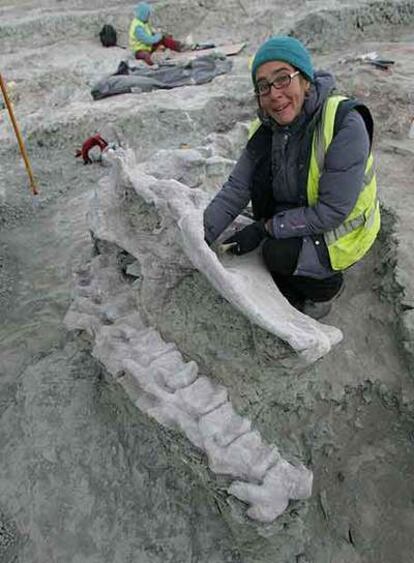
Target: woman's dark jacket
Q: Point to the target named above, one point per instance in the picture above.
(272, 172)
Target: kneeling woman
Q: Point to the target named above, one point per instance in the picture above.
(308, 171)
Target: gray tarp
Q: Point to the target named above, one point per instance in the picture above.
(143, 79)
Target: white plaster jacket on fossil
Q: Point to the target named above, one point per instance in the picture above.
(179, 237)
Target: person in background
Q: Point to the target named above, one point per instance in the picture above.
(144, 40)
(308, 171)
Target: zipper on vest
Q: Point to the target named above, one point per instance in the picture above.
(285, 163)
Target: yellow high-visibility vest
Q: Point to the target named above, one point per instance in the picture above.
(134, 44)
(354, 237)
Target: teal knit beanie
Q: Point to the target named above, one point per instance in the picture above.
(286, 49)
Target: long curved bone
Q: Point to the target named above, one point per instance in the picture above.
(242, 280)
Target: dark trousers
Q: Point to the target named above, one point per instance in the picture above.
(281, 258)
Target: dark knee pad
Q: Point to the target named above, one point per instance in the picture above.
(267, 253)
(281, 255)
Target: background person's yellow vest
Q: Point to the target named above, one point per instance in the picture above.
(134, 44)
(354, 237)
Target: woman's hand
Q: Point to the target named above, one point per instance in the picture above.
(247, 239)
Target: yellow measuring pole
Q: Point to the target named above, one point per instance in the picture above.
(19, 137)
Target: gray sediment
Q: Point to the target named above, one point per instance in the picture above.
(84, 474)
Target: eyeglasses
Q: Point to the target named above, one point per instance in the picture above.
(281, 81)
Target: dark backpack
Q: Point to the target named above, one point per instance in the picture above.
(108, 35)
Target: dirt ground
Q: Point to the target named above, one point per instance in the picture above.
(84, 476)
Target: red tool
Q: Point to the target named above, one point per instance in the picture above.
(94, 141)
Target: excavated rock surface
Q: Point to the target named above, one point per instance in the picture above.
(85, 475)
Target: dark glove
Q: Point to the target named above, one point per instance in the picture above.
(247, 239)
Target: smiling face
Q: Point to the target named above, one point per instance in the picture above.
(283, 104)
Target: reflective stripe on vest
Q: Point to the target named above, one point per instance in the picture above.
(353, 238)
(352, 225)
(134, 44)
